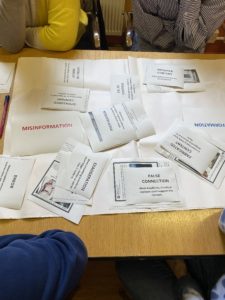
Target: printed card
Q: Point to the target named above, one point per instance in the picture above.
(164, 75)
(43, 196)
(66, 98)
(14, 176)
(116, 125)
(64, 72)
(192, 150)
(79, 172)
(138, 182)
(125, 88)
(191, 81)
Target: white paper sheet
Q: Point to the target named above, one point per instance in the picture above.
(145, 181)
(29, 88)
(42, 193)
(65, 98)
(162, 109)
(80, 170)
(43, 132)
(114, 126)
(198, 193)
(195, 151)
(14, 175)
(210, 120)
(93, 74)
(165, 75)
(207, 70)
(6, 76)
(125, 88)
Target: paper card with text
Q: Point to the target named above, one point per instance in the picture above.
(61, 194)
(6, 76)
(164, 75)
(125, 88)
(60, 97)
(116, 125)
(43, 196)
(192, 150)
(145, 181)
(80, 172)
(192, 83)
(14, 176)
(64, 72)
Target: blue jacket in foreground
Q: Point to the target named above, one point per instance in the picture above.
(43, 267)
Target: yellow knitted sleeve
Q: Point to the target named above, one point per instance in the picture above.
(64, 17)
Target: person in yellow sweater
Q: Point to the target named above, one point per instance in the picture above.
(43, 24)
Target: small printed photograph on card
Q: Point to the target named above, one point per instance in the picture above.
(43, 196)
(191, 76)
(44, 190)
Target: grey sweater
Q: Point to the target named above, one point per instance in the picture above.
(12, 24)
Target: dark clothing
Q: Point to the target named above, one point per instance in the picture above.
(149, 279)
(178, 26)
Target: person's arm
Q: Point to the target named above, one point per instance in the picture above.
(196, 22)
(48, 266)
(152, 28)
(60, 34)
(12, 25)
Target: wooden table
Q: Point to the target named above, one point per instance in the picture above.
(142, 234)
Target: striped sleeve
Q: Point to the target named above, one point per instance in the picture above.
(196, 22)
(150, 27)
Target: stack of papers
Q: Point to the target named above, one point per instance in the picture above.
(118, 116)
(114, 126)
(67, 185)
(193, 151)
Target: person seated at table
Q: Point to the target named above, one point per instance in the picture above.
(195, 278)
(42, 24)
(40, 267)
(176, 25)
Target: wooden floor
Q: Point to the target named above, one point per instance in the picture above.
(100, 282)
